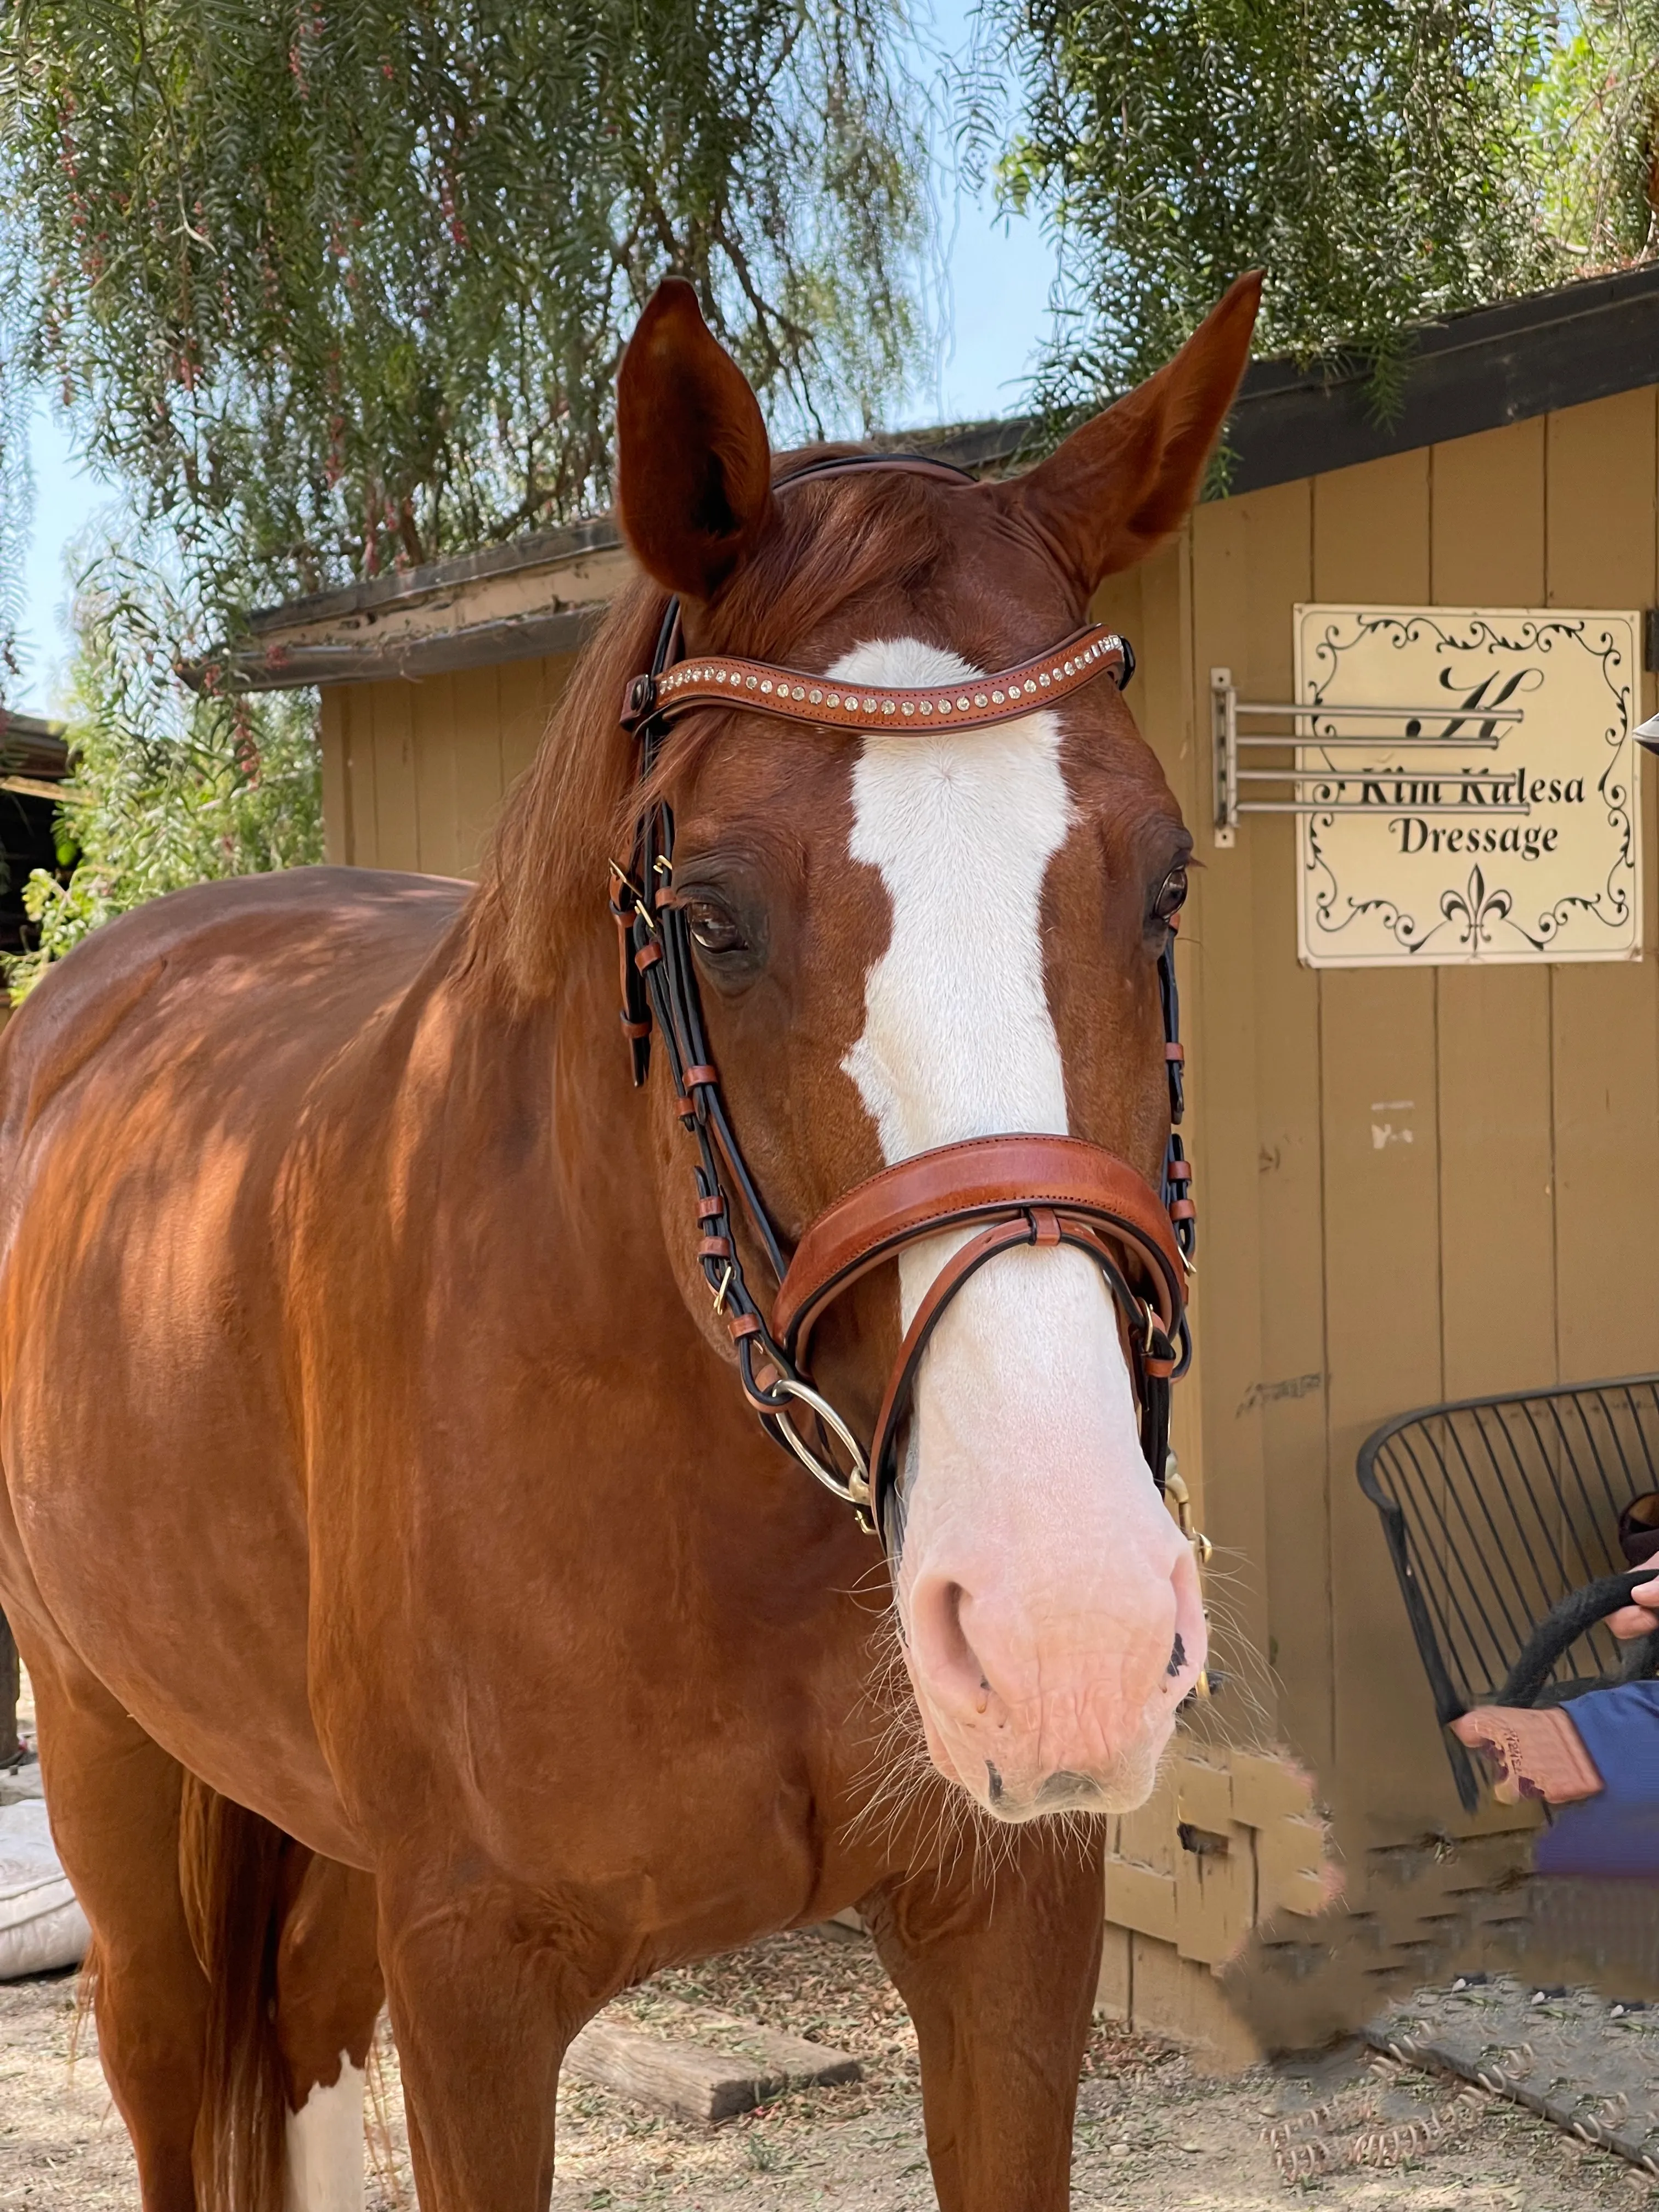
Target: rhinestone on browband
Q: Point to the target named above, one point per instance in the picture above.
(799, 697)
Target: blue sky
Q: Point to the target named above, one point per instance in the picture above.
(64, 499)
(997, 276)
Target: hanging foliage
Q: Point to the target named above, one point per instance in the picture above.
(168, 786)
(1598, 113)
(331, 285)
(1381, 160)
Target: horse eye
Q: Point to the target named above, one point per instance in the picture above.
(1171, 896)
(713, 929)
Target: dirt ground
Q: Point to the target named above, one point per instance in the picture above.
(1152, 2132)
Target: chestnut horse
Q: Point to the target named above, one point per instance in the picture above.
(406, 1585)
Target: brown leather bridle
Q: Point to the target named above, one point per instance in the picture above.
(1017, 1190)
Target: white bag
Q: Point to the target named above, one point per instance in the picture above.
(41, 1926)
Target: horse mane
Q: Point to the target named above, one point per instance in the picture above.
(542, 888)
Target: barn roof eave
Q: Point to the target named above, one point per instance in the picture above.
(542, 593)
(1473, 372)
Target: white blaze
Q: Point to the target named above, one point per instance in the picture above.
(1035, 1581)
(959, 1040)
(325, 2143)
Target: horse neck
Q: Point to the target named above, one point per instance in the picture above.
(601, 1181)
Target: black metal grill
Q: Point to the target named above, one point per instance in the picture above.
(1496, 1508)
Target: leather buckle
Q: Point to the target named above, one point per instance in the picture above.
(639, 702)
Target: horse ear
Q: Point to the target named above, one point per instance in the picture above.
(693, 469)
(1122, 484)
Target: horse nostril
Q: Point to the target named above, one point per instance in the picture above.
(1177, 1657)
(993, 1783)
(939, 1640)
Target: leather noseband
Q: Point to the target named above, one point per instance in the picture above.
(992, 1193)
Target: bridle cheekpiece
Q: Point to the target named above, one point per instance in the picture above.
(1021, 1189)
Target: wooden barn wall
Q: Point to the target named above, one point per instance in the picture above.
(1514, 1239)
(413, 772)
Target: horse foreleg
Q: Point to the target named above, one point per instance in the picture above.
(114, 1796)
(999, 1971)
(487, 1983)
(329, 1994)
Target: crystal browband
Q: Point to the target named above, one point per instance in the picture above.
(969, 702)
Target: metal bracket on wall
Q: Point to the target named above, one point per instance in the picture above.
(1315, 725)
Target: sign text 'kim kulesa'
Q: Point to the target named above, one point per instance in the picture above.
(1476, 836)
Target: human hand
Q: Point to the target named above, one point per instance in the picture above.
(1534, 1754)
(1641, 1616)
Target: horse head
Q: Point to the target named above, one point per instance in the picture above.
(908, 937)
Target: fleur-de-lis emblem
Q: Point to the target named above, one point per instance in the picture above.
(1476, 907)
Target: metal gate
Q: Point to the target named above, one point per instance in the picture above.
(1496, 1511)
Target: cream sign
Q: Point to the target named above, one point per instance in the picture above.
(1500, 825)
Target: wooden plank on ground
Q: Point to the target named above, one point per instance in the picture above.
(696, 2082)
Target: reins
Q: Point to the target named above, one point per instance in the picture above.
(1009, 1190)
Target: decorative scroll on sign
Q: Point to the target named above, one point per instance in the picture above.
(1503, 826)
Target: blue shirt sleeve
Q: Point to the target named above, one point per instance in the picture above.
(1614, 1837)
